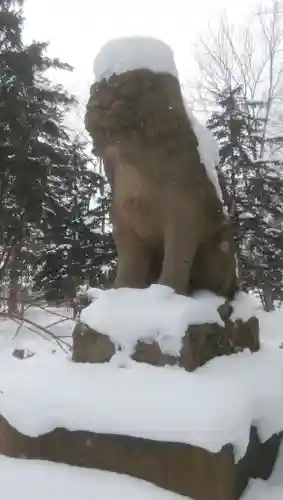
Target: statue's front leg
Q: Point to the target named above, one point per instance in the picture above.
(133, 259)
(180, 245)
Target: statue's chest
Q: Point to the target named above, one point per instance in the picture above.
(137, 200)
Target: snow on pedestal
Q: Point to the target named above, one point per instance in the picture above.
(213, 406)
(158, 326)
(155, 314)
(121, 55)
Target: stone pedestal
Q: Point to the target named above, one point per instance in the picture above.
(184, 469)
(188, 470)
(201, 343)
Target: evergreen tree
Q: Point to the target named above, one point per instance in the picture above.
(255, 186)
(45, 184)
(78, 250)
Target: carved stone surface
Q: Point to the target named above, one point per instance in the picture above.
(184, 469)
(169, 226)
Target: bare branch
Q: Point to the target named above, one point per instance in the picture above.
(65, 346)
(250, 57)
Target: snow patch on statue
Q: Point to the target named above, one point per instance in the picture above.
(134, 52)
(208, 150)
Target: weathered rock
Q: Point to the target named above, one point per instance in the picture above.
(90, 346)
(22, 353)
(205, 342)
(178, 467)
(201, 343)
(152, 354)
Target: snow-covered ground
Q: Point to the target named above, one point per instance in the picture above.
(35, 480)
(267, 490)
(257, 383)
(222, 399)
(57, 320)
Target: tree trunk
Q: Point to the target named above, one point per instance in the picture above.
(13, 297)
(15, 274)
(267, 300)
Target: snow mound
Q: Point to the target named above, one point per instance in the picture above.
(271, 331)
(155, 314)
(134, 52)
(244, 306)
(127, 54)
(210, 407)
(262, 490)
(36, 480)
(267, 490)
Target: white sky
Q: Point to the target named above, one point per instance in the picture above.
(76, 30)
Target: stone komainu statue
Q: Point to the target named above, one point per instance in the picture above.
(168, 222)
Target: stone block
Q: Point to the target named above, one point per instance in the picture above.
(201, 343)
(178, 467)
